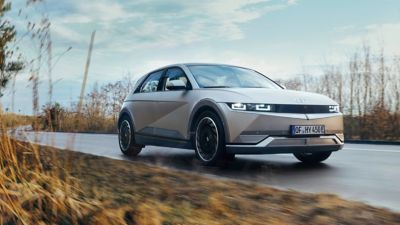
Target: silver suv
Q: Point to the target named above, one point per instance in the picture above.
(223, 110)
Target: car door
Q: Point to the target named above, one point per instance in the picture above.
(173, 107)
(144, 103)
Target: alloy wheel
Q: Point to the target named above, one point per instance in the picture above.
(207, 139)
(125, 135)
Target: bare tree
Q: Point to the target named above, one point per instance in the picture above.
(368, 91)
(382, 78)
(367, 72)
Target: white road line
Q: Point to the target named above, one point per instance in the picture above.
(371, 150)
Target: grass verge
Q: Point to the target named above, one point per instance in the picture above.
(12, 120)
(76, 188)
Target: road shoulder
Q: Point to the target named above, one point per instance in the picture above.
(167, 196)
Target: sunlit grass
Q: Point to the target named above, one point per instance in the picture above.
(12, 120)
(35, 189)
(40, 185)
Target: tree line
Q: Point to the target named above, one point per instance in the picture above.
(367, 87)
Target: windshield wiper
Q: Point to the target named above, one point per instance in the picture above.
(216, 86)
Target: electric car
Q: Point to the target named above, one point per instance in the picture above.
(223, 110)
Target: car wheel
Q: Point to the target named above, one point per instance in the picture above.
(126, 138)
(209, 139)
(312, 158)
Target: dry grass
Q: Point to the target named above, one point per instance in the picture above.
(35, 193)
(46, 190)
(86, 123)
(11, 120)
(40, 185)
(57, 118)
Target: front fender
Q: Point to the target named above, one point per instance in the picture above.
(202, 105)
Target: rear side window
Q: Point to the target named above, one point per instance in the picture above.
(151, 83)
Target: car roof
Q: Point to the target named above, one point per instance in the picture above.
(194, 64)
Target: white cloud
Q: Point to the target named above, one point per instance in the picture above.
(140, 35)
(96, 11)
(385, 35)
(154, 23)
(68, 34)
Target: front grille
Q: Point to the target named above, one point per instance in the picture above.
(304, 109)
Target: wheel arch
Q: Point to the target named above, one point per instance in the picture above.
(122, 114)
(202, 106)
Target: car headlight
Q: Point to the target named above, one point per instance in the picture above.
(251, 107)
(334, 109)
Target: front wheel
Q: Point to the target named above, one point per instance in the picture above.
(312, 158)
(209, 139)
(126, 139)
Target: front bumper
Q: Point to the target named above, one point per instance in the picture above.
(275, 145)
(254, 128)
(269, 133)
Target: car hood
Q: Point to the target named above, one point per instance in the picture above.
(271, 96)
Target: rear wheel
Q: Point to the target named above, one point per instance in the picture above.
(312, 158)
(209, 139)
(126, 138)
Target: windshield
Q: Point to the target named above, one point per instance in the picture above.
(221, 76)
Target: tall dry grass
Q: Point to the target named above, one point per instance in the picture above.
(59, 119)
(92, 124)
(12, 120)
(36, 189)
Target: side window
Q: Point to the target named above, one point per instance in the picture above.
(151, 83)
(175, 74)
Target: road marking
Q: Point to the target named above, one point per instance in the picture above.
(371, 150)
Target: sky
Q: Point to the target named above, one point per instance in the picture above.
(280, 38)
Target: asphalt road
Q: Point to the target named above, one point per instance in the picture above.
(367, 173)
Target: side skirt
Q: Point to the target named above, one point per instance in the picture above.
(145, 139)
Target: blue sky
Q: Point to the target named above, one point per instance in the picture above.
(280, 38)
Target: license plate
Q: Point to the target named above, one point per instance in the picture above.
(307, 129)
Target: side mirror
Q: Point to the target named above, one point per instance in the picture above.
(176, 85)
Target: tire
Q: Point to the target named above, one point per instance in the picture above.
(209, 139)
(126, 138)
(312, 158)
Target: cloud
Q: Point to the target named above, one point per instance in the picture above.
(137, 36)
(68, 34)
(385, 35)
(156, 23)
